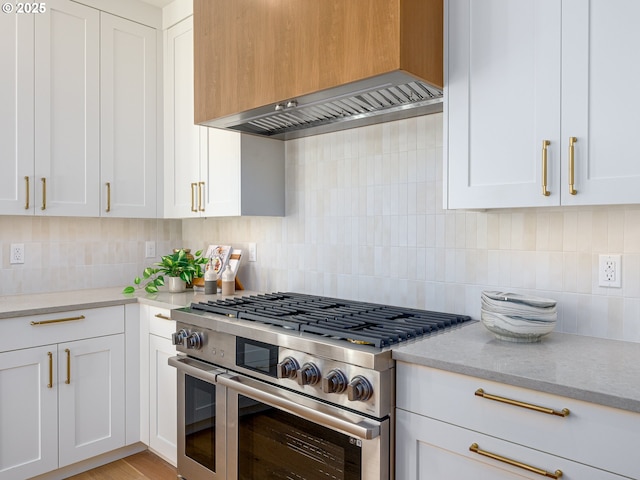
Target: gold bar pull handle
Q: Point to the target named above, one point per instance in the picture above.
(163, 317)
(26, 203)
(108, 184)
(193, 201)
(549, 411)
(200, 195)
(50, 384)
(59, 320)
(44, 194)
(68, 352)
(476, 449)
(545, 145)
(572, 141)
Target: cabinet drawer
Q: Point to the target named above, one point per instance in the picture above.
(35, 330)
(428, 448)
(592, 434)
(160, 322)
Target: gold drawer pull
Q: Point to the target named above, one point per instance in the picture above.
(50, 384)
(163, 317)
(44, 194)
(572, 165)
(58, 320)
(68, 352)
(545, 145)
(550, 411)
(108, 185)
(476, 449)
(200, 187)
(26, 204)
(193, 202)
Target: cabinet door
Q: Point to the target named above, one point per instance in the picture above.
(427, 449)
(67, 110)
(16, 114)
(28, 412)
(224, 175)
(128, 118)
(163, 395)
(502, 101)
(182, 137)
(91, 395)
(600, 100)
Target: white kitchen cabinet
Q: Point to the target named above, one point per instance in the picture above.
(441, 414)
(62, 379)
(429, 449)
(210, 172)
(518, 76)
(163, 386)
(16, 114)
(28, 412)
(128, 155)
(67, 110)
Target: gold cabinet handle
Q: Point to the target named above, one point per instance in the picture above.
(550, 411)
(44, 194)
(476, 449)
(59, 320)
(200, 188)
(193, 201)
(545, 145)
(26, 203)
(572, 141)
(108, 184)
(163, 317)
(68, 352)
(50, 384)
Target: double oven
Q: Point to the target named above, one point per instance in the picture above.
(262, 397)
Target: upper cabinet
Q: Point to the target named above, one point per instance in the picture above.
(211, 172)
(530, 117)
(79, 113)
(258, 54)
(128, 118)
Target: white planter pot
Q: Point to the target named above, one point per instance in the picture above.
(176, 284)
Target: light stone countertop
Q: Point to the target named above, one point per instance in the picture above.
(43, 303)
(605, 372)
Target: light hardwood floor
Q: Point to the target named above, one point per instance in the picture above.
(141, 466)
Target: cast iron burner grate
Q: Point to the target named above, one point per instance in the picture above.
(352, 321)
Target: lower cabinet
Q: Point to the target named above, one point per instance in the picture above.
(159, 385)
(64, 401)
(435, 450)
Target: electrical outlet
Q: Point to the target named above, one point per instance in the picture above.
(17, 253)
(150, 249)
(253, 252)
(610, 271)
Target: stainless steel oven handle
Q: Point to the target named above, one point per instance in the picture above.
(363, 429)
(201, 370)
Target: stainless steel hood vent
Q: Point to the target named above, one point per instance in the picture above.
(348, 106)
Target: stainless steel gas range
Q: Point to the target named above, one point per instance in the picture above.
(291, 386)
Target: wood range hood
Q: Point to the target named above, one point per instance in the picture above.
(292, 68)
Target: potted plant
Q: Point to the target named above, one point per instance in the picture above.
(179, 269)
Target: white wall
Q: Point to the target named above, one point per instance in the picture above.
(365, 221)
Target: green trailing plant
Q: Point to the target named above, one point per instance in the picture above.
(177, 264)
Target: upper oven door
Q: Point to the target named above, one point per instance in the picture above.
(201, 420)
(275, 433)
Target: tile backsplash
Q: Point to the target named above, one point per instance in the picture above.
(365, 221)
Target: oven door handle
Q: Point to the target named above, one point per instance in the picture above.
(201, 370)
(363, 429)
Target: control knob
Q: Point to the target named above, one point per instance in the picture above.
(359, 389)
(288, 368)
(194, 341)
(178, 337)
(308, 374)
(334, 382)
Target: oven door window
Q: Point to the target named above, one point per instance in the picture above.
(273, 444)
(200, 422)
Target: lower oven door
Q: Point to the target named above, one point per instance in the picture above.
(274, 433)
(201, 420)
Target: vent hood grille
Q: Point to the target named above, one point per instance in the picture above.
(362, 103)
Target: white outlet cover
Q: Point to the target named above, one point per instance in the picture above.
(16, 255)
(610, 271)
